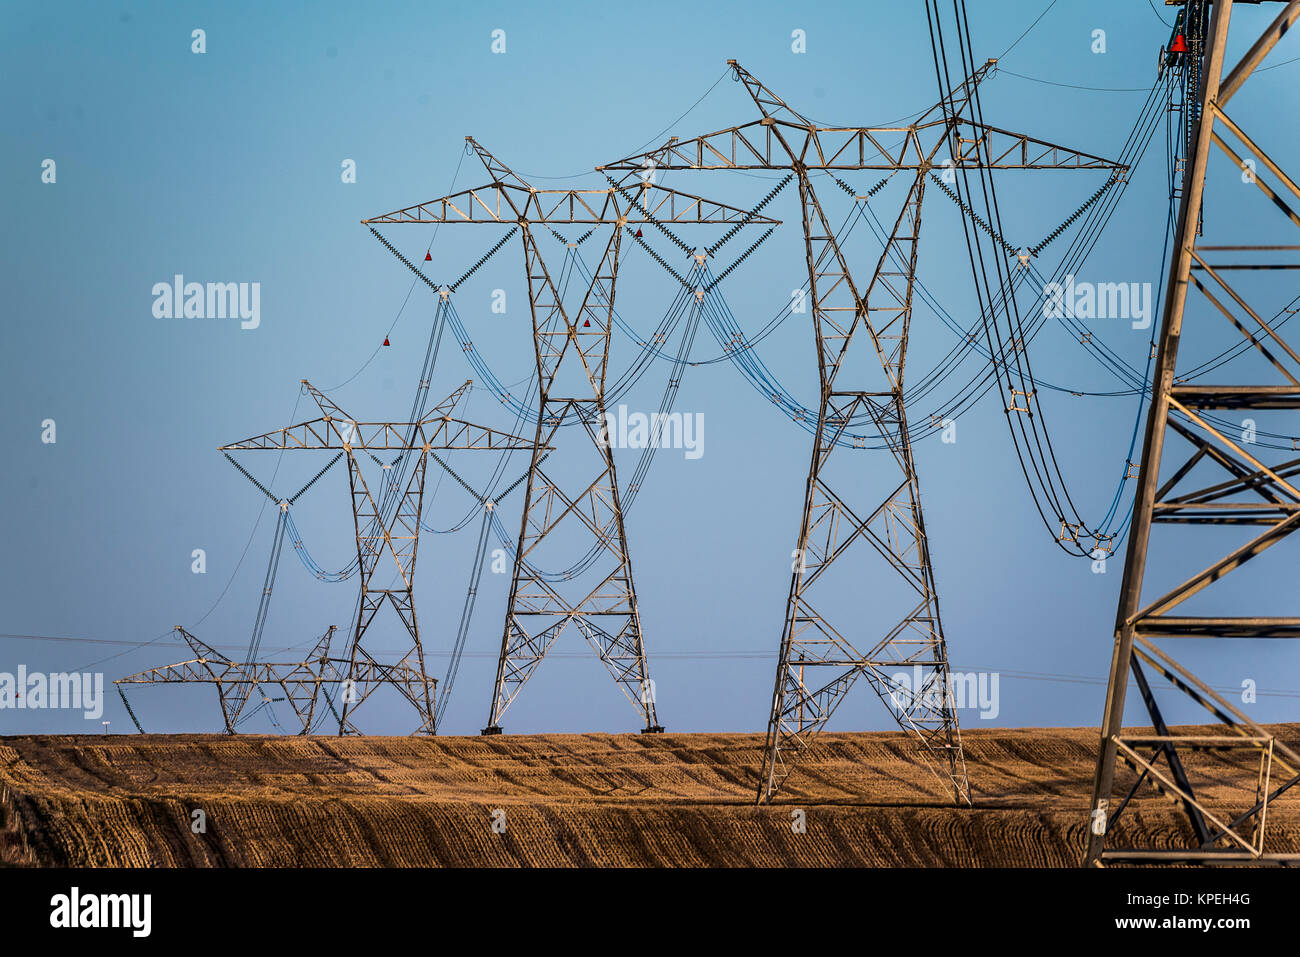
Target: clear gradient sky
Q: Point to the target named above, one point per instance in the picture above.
(225, 166)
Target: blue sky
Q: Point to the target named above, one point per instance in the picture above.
(225, 166)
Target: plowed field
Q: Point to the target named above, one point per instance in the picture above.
(661, 800)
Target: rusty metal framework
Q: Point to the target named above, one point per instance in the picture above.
(383, 530)
(572, 351)
(1240, 489)
(838, 515)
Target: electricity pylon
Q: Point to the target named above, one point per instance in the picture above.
(386, 521)
(300, 682)
(1240, 490)
(235, 680)
(837, 514)
(572, 353)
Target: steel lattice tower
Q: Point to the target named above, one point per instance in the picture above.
(572, 352)
(837, 514)
(380, 534)
(1240, 490)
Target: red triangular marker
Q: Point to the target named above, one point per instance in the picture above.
(586, 323)
(385, 340)
(638, 233)
(428, 258)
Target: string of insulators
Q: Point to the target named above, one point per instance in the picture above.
(523, 475)
(315, 479)
(260, 487)
(486, 256)
(136, 721)
(463, 484)
(1077, 213)
(577, 242)
(409, 265)
(653, 221)
(659, 259)
(1006, 246)
(849, 189)
(740, 259)
(744, 220)
(466, 486)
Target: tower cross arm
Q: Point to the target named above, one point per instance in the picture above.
(505, 199)
(328, 432)
(766, 144)
(195, 670)
(785, 139)
(449, 433)
(313, 434)
(334, 429)
(508, 204)
(853, 148)
(989, 147)
(493, 203)
(652, 202)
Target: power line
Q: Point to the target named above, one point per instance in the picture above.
(1026, 33)
(1151, 4)
(1077, 86)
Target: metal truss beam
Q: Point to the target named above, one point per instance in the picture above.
(783, 136)
(508, 199)
(437, 430)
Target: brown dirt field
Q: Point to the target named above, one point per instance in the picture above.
(623, 800)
